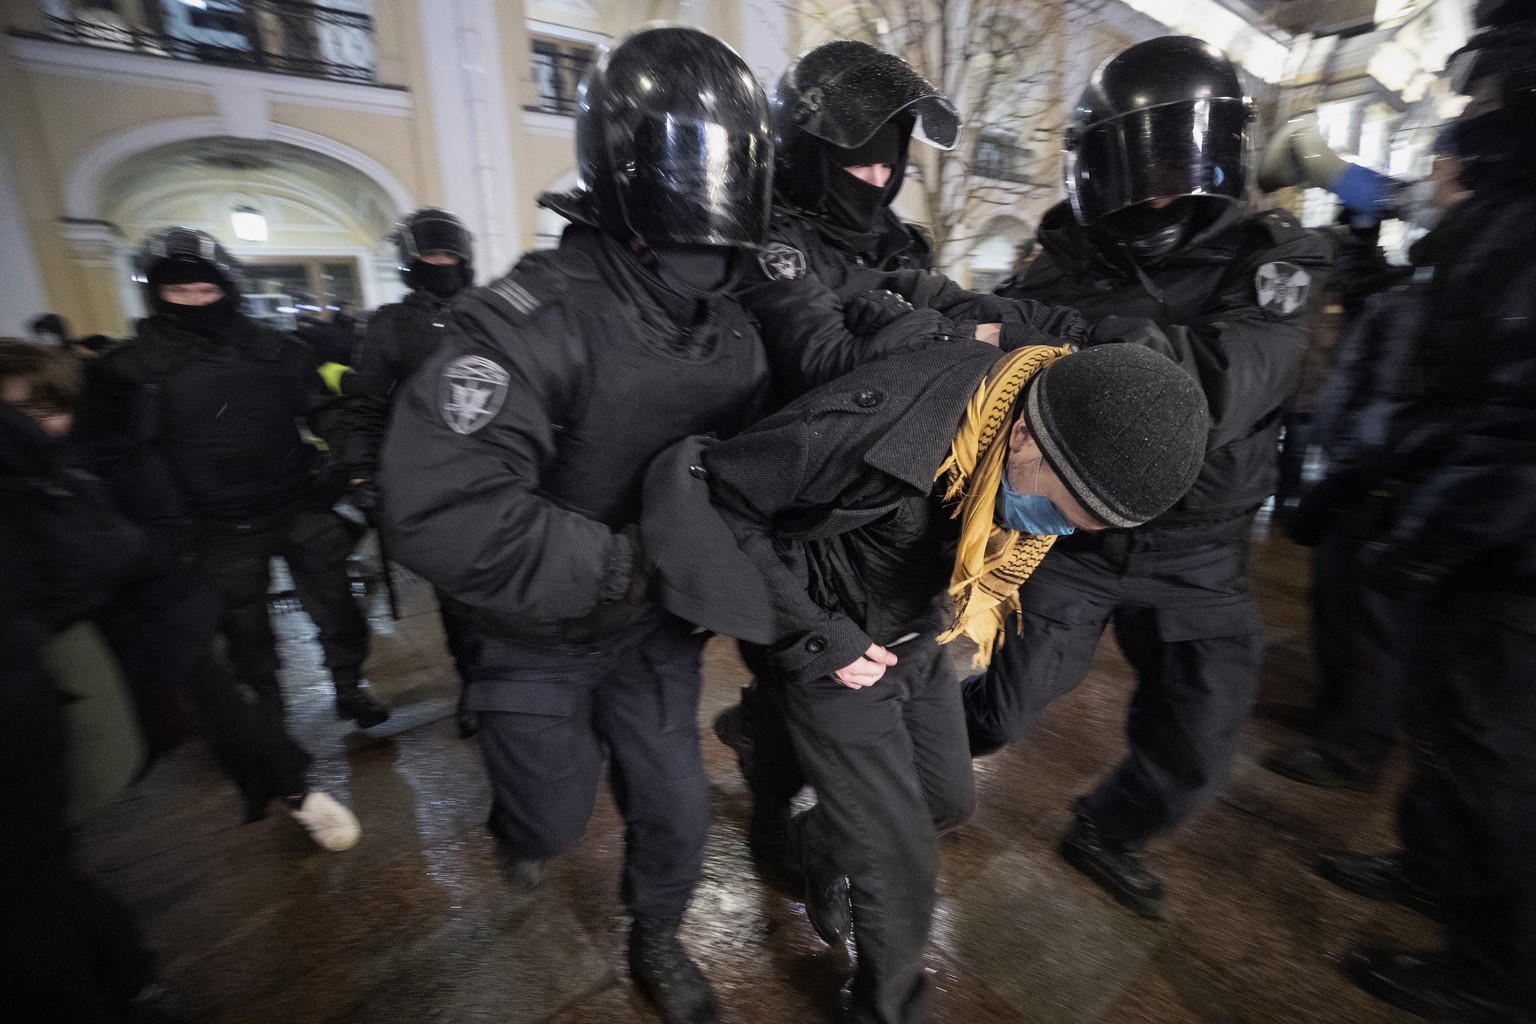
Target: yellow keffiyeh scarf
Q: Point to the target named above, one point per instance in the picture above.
(991, 562)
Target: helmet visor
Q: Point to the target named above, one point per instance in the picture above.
(859, 100)
(1178, 149)
(432, 234)
(697, 182)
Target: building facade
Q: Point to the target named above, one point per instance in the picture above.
(297, 132)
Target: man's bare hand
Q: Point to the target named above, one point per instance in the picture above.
(992, 334)
(867, 670)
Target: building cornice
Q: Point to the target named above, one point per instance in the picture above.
(122, 67)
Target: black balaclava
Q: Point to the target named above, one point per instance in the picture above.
(853, 204)
(205, 320)
(1151, 235)
(443, 280)
(697, 272)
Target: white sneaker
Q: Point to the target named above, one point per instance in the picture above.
(328, 823)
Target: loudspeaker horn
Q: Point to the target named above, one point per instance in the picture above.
(1297, 155)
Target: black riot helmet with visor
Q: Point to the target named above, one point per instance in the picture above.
(429, 230)
(672, 142)
(1495, 137)
(182, 255)
(832, 103)
(186, 254)
(1165, 124)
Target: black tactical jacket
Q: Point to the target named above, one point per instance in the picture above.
(223, 414)
(514, 459)
(808, 271)
(400, 337)
(1233, 308)
(1460, 455)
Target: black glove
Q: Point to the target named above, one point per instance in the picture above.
(865, 314)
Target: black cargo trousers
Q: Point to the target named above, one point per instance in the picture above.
(550, 717)
(891, 773)
(1182, 614)
(1468, 812)
(315, 542)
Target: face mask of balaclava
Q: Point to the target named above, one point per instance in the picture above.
(443, 280)
(206, 320)
(1151, 234)
(700, 272)
(850, 202)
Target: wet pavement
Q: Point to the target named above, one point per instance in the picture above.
(253, 924)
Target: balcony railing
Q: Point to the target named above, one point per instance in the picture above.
(555, 78)
(289, 37)
(1001, 160)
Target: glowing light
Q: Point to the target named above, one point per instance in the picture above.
(249, 224)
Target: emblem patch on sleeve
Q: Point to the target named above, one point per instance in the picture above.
(781, 262)
(1282, 288)
(471, 392)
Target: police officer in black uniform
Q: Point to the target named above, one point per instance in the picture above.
(436, 261)
(1154, 170)
(221, 398)
(1457, 547)
(514, 461)
(840, 269)
(842, 280)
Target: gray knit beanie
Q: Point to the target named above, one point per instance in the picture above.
(1123, 427)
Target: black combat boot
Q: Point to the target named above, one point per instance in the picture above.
(1424, 982)
(355, 703)
(827, 903)
(1381, 877)
(733, 729)
(1116, 866)
(666, 977)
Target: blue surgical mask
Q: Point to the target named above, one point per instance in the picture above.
(1031, 513)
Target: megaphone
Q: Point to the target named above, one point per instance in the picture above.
(1297, 155)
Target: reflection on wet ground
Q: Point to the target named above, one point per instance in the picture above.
(254, 925)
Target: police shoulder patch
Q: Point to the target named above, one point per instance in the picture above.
(470, 393)
(781, 262)
(1282, 288)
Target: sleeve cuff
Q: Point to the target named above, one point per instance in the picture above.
(822, 650)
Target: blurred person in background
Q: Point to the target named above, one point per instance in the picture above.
(1454, 481)
(220, 399)
(436, 261)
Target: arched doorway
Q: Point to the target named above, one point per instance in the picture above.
(307, 226)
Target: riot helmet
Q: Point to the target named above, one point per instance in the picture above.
(182, 255)
(846, 103)
(673, 141)
(1166, 123)
(429, 230)
(1496, 135)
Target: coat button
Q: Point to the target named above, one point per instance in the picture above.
(816, 645)
(867, 399)
(698, 472)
